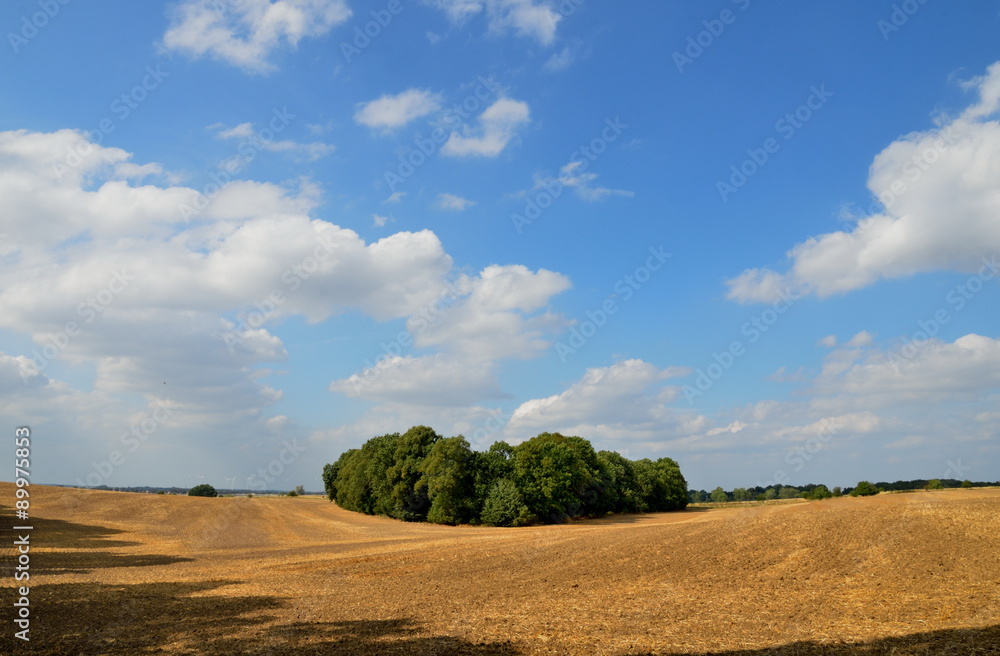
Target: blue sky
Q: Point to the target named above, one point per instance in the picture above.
(238, 238)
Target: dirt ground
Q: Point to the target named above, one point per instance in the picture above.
(119, 573)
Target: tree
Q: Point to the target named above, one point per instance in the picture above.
(487, 468)
(448, 482)
(203, 490)
(557, 476)
(300, 490)
(741, 494)
(966, 483)
(330, 472)
(818, 493)
(770, 494)
(696, 496)
(662, 485)
(619, 486)
(788, 493)
(837, 491)
(505, 506)
(421, 476)
(864, 489)
(719, 495)
(406, 501)
(935, 484)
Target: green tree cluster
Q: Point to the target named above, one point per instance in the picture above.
(422, 476)
(203, 490)
(864, 489)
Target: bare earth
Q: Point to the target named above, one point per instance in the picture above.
(118, 573)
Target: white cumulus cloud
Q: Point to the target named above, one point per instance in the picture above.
(939, 202)
(496, 127)
(452, 202)
(246, 33)
(389, 113)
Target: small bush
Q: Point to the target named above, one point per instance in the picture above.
(864, 489)
(203, 490)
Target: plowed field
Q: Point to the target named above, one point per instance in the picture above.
(118, 573)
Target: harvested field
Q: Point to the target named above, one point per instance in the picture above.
(117, 573)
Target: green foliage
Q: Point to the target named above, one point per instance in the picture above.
(837, 491)
(203, 490)
(770, 494)
(864, 489)
(420, 476)
(788, 493)
(407, 500)
(448, 481)
(741, 494)
(697, 496)
(966, 483)
(661, 485)
(557, 475)
(619, 485)
(487, 468)
(293, 493)
(505, 506)
(934, 484)
(719, 495)
(818, 493)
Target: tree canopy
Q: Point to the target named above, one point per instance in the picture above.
(422, 476)
(203, 490)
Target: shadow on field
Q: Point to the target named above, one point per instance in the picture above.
(92, 541)
(637, 518)
(89, 618)
(363, 638)
(947, 642)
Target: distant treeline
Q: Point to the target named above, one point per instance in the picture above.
(814, 491)
(422, 476)
(921, 484)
